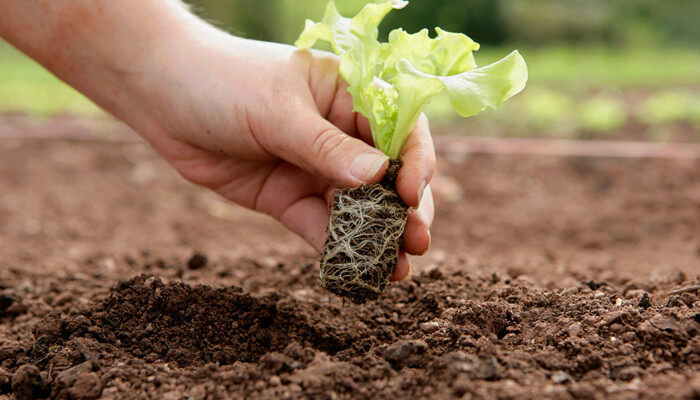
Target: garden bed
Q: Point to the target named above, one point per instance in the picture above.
(549, 277)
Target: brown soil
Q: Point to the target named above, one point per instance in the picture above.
(554, 278)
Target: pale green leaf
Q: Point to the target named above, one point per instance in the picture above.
(391, 83)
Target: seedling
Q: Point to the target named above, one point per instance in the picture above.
(391, 83)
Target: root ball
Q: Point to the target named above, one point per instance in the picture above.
(364, 237)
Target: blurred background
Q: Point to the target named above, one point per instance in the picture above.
(623, 69)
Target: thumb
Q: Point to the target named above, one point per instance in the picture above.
(319, 147)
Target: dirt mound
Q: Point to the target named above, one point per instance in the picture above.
(193, 325)
(438, 335)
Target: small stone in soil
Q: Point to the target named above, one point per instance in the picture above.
(560, 377)
(275, 380)
(197, 261)
(429, 327)
(27, 383)
(401, 353)
(484, 367)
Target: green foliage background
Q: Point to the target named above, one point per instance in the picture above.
(615, 22)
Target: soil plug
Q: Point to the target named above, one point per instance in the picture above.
(391, 83)
(364, 236)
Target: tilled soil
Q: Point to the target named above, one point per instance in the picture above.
(435, 336)
(549, 278)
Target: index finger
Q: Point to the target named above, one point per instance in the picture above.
(418, 163)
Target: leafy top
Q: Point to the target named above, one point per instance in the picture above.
(391, 83)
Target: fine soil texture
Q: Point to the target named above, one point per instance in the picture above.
(548, 278)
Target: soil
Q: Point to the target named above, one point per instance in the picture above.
(548, 278)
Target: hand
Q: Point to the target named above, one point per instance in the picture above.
(265, 125)
(272, 128)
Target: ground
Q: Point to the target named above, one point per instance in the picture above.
(548, 277)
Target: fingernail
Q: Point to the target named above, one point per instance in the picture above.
(366, 166)
(421, 190)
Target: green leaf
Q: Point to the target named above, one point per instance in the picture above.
(391, 83)
(472, 91)
(447, 54)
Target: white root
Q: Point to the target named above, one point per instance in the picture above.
(362, 249)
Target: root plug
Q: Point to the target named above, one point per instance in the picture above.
(364, 237)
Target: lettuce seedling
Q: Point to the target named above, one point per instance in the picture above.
(391, 83)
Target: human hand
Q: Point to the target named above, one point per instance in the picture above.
(272, 128)
(265, 125)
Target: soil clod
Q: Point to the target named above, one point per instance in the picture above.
(5, 381)
(593, 285)
(673, 301)
(197, 261)
(28, 384)
(11, 305)
(644, 301)
(86, 387)
(6, 300)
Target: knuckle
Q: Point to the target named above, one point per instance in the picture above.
(330, 62)
(326, 144)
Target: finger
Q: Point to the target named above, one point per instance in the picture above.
(308, 217)
(340, 113)
(322, 149)
(418, 163)
(295, 198)
(363, 129)
(324, 80)
(404, 270)
(287, 193)
(330, 92)
(416, 237)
